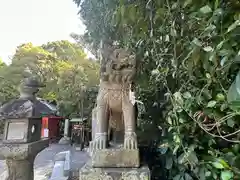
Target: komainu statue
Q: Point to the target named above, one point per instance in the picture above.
(116, 98)
(116, 108)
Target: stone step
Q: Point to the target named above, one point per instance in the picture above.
(61, 169)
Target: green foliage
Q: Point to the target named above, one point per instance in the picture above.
(188, 53)
(6, 90)
(62, 66)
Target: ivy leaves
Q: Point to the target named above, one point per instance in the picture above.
(233, 95)
(211, 104)
(226, 175)
(205, 9)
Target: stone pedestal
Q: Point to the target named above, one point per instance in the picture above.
(114, 164)
(20, 169)
(116, 158)
(20, 158)
(90, 173)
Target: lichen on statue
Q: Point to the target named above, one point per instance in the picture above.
(118, 69)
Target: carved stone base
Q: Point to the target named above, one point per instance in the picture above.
(89, 173)
(116, 158)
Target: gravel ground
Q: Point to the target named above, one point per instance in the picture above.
(44, 161)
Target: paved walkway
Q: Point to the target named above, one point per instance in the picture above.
(44, 161)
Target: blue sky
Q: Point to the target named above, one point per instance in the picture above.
(36, 21)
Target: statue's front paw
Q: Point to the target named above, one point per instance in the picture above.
(130, 141)
(100, 141)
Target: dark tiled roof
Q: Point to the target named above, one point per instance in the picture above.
(19, 106)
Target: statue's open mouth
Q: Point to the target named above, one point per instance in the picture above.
(122, 66)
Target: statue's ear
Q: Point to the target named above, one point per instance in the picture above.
(107, 47)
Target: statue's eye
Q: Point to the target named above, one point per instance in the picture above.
(117, 54)
(114, 66)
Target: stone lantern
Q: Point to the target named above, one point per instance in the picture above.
(24, 130)
(22, 133)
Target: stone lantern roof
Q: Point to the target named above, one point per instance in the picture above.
(27, 104)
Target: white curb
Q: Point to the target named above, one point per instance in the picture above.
(61, 169)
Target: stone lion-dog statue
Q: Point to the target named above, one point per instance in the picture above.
(118, 69)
